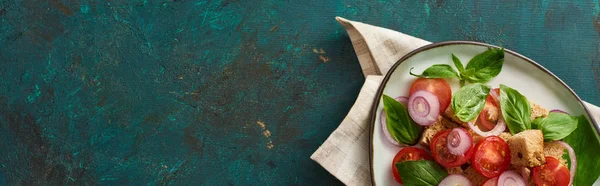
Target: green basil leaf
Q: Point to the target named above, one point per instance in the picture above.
(535, 124)
(468, 101)
(485, 66)
(467, 73)
(587, 147)
(461, 69)
(458, 64)
(400, 126)
(567, 157)
(515, 109)
(437, 71)
(421, 172)
(556, 126)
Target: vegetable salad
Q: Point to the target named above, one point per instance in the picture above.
(479, 135)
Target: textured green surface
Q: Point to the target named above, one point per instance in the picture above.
(225, 92)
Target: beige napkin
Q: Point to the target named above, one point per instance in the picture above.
(345, 153)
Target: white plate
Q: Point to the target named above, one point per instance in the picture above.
(519, 72)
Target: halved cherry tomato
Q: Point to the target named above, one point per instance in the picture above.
(490, 107)
(484, 115)
(437, 86)
(551, 174)
(492, 156)
(439, 149)
(490, 99)
(491, 182)
(408, 154)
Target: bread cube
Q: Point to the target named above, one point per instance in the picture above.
(527, 148)
(538, 111)
(430, 131)
(454, 170)
(449, 114)
(505, 136)
(555, 150)
(472, 174)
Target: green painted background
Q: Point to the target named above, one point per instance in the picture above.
(225, 92)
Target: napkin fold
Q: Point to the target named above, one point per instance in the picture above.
(345, 153)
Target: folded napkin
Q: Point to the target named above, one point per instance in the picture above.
(345, 154)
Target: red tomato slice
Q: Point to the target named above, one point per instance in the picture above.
(491, 182)
(490, 104)
(492, 156)
(437, 86)
(484, 123)
(490, 99)
(551, 174)
(408, 154)
(439, 149)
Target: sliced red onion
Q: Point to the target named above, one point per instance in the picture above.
(424, 107)
(491, 182)
(459, 141)
(455, 180)
(573, 167)
(402, 99)
(525, 173)
(495, 95)
(383, 122)
(497, 130)
(559, 111)
(500, 125)
(510, 178)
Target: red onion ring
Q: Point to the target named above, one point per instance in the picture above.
(495, 96)
(383, 122)
(455, 179)
(525, 173)
(459, 141)
(500, 125)
(423, 107)
(573, 167)
(496, 131)
(559, 111)
(491, 182)
(511, 178)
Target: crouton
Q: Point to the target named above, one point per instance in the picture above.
(454, 170)
(555, 150)
(449, 114)
(505, 136)
(477, 137)
(430, 131)
(538, 111)
(493, 113)
(527, 148)
(476, 178)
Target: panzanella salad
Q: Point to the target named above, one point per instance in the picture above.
(480, 135)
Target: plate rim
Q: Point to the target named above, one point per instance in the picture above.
(446, 43)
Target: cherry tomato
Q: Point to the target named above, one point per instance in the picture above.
(551, 174)
(490, 99)
(490, 107)
(437, 86)
(491, 182)
(408, 154)
(439, 149)
(492, 156)
(484, 122)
